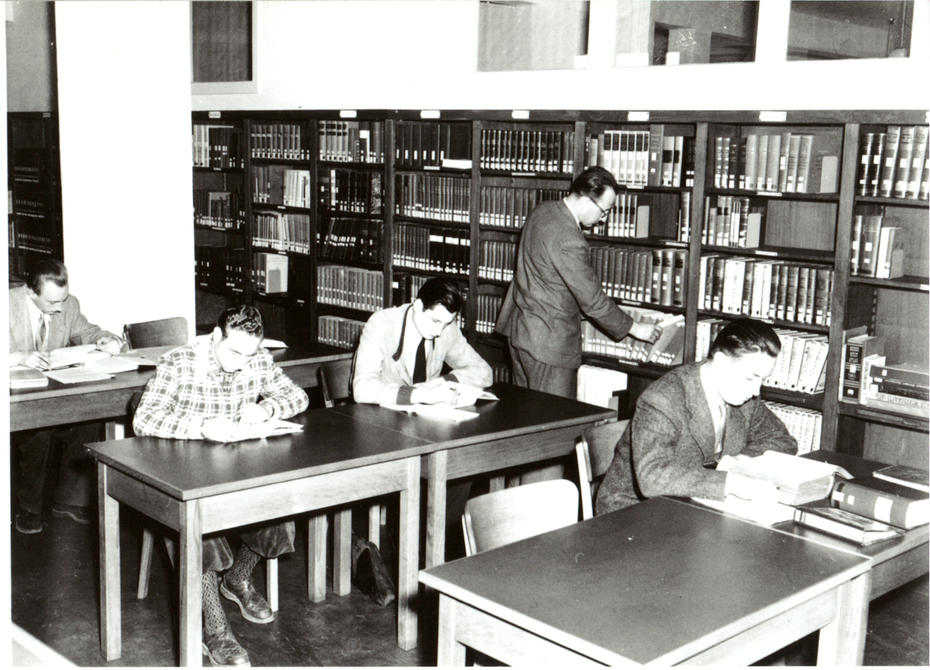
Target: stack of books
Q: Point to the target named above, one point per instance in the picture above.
(899, 387)
(877, 249)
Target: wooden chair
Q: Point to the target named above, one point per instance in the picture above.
(594, 451)
(157, 333)
(495, 519)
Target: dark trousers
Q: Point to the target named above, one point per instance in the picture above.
(533, 374)
(268, 541)
(36, 452)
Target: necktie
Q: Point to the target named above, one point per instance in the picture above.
(40, 334)
(419, 365)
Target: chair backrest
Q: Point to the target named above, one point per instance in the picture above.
(157, 333)
(595, 451)
(495, 519)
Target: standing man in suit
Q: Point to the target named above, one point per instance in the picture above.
(554, 284)
(45, 316)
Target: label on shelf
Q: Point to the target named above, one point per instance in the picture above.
(925, 287)
(429, 113)
(522, 174)
(770, 194)
(773, 116)
(214, 114)
(637, 116)
(347, 113)
(520, 114)
(766, 252)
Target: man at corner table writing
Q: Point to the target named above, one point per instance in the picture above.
(45, 316)
(214, 389)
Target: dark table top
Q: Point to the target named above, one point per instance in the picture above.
(644, 581)
(517, 412)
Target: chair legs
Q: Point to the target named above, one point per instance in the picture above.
(145, 565)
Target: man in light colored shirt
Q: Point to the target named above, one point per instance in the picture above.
(45, 316)
(209, 390)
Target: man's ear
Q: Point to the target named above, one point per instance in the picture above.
(216, 335)
(418, 305)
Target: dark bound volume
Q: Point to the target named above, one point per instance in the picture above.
(883, 501)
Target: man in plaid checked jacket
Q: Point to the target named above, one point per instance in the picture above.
(204, 391)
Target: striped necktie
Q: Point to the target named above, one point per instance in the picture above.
(41, 333)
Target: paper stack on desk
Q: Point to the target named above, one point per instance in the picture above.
(268, 429)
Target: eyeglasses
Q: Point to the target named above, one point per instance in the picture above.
(604, 212)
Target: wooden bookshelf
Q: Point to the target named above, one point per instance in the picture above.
(473, 176)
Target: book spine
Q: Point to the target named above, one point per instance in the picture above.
(879, 505)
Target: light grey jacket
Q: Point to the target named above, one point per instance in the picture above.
(65, 328)
(379, 374)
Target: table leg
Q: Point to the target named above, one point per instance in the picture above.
(842, 641)
(271, 583)
(190, 562)
(497, 483)
(408, 556)
(316, 558)
(108, 524)
(374, 523)
(448, 650)
(436, 508)
(342, 552)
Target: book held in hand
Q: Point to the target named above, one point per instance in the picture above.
(847, 525)
(905, 475)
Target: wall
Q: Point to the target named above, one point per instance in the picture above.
(28, 57)
(417, 54)
(124, 105)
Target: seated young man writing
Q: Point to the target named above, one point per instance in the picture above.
(692, 416)
(213, 389)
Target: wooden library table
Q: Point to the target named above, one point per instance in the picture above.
(660, 582)
(197, 487)
(108, 400)
(521, 428)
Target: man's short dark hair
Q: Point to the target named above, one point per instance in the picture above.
(593, 182)
(439, 291)
(47, 269)
(746, 336)
(241, 317)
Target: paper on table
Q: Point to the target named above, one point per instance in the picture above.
(765, 513)
(469, 394)
(76, 375)
(268, 429)
(82, 353)
(437, 411)
(113, 364)
(271, 343)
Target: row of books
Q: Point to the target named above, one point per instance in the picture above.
(351, 141)
(528, 151)
(783, 162)
(351, 191)
(732, 222)
(339, 331)
(278, 141)
(433, 196)
(598, 386)
(508, 206)
(431, 249)
(42, 244)
(667, 350)
(353, 240)
(877, 249)
(487, 310)
(497, 260)
(641, 158)
(500, 373)
(349, 287)
(895, 163)
(898, 387)
(277, 185)
(219, 268)
(282, 231)
(800, 366)
(216, 146)
(269, 272)
(803, 424)
(218, 209)
(654, 276)
(766, 289)
(431, 146)
(406, 286)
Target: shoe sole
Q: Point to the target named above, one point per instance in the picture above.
(29, 531)
(206, 652)
(84, 521)
(245, 615)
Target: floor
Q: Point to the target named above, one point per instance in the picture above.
(54, 597)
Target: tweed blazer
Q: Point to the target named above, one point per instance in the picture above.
(666, 446)
(553, 285)
(65, 328)
(379, 374)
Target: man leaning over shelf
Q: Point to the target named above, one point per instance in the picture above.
(692, 416)
(400, 359)
(45, 316)
(206, 390)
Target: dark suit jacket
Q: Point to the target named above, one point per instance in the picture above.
(665, 447)
(553, 284)
(65, 328)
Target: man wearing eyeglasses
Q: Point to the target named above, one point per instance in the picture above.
(554, 284)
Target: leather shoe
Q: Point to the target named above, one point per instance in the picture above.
(74, 512)
(28, 523)
(253, 606)
(369, 572)
(224, 649)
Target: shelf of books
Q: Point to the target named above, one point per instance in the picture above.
(815, 222)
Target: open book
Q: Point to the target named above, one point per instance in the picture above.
(798, 480)
(77, 355)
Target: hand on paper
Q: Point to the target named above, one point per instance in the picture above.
(434, 391)
(36, 359)
(647, 332)
(109, 344)
(253, 413)
(220, 429)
